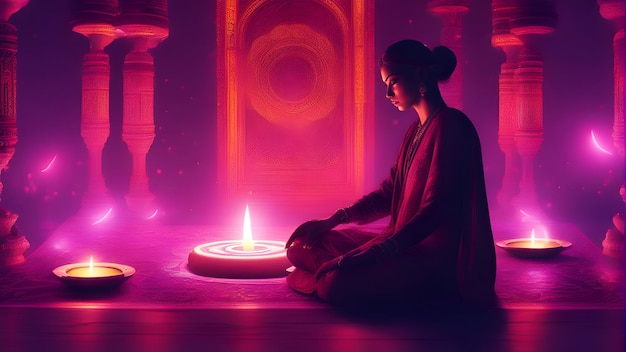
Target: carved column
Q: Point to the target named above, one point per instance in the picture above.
(508, 114)
(451, 13)
(94, 19)
(8, 70)
(13, 245)
(531, 18)
(613, 10)
(145, 25)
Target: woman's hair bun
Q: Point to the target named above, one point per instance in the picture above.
(440, 62)
(444, 63)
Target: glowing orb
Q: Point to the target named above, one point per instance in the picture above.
(240, 259)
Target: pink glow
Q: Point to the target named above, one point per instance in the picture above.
(533, 235)
(598, 146)
(153, 215)
(527, 216)
(103, 217)
(60, 244)
(45, 169)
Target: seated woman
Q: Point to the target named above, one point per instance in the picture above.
(439, 241)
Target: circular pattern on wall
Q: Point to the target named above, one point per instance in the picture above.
(292, 75)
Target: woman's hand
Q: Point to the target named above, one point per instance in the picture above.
(356, 258)
(330, 265)
(310, 232)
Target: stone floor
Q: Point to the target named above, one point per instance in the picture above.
(579, 277)
(572, 301)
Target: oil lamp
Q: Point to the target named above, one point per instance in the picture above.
(534, 247)
(93, 275)
(240, 259)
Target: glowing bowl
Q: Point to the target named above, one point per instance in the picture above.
(529, 248)
(243, 259)
(93, 275)
(229, 259)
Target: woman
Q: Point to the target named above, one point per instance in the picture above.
(439, 241)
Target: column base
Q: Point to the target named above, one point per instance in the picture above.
(12, 249)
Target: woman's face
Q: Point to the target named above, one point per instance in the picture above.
(402, 87)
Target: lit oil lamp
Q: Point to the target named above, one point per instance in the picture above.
(240, 259)
(93, 275)
(534, 247)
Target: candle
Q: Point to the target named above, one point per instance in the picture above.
(93, 271)
(534, 247)
(533, 242)
(93, 275)
(246, 258)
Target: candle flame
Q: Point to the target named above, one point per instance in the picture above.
(538, 242)
(91, 265)
(248, 242)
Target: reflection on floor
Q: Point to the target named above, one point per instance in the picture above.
(144, 329)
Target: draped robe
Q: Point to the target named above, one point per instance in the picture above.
(438, 216)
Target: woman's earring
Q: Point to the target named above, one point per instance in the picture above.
(422, 91)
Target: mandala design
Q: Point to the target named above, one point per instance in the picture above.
(292, 75)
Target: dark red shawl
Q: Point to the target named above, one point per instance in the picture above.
(443, 191)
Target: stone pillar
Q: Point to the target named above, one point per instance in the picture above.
(528, 135)
(530, 19)
(13, 245)
(8, 70)
(145, 25)
(94, 19)
(451, 13)
(613, 10)
(508, 114)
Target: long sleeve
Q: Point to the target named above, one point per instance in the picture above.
(379, 203)
(375, 205)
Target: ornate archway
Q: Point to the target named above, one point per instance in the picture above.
(295, 102)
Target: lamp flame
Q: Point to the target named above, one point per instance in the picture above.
(248, 242)
(91, 265)
(534, 238)
(597, 144)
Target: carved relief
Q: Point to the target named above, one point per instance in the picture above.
(292, 116)
(303, 58)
